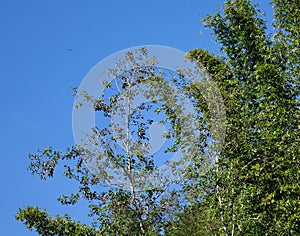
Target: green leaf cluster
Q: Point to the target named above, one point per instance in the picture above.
(254, 188)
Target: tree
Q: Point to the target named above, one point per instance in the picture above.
(254, 189)
(131, 195)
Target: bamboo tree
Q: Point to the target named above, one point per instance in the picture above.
(255, 187)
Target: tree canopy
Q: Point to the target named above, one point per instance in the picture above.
(253, 187)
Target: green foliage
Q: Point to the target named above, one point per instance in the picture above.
(195, 220)
(254, 188)
(139, 208)
(45, 225)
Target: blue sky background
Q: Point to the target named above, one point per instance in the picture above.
(38, 69)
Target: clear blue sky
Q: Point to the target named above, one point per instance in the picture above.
(37, 71)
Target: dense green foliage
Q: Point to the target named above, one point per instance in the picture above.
(34, 218)
(254, 188)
